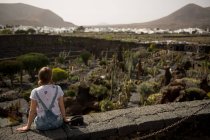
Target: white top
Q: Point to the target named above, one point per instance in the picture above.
(46, 94)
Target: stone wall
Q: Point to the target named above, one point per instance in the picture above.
(15, 45)
(127, 123)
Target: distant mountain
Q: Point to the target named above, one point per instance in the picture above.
(22, 14)
(190, 15)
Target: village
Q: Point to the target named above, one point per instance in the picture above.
(62, 30)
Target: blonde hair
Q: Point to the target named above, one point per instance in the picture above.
(45, 76)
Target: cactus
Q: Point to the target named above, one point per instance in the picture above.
(63, 56)
(113, 74)
(129, 62)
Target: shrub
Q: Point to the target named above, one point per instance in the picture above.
(70, 93)
(106, 105)
(98, 90)
(9, 68)
(60, 60)
(208, 94)
(103, 62)
(59, 74)
(21, 32)
(80, 29)
(147, 88)
(73, 90)
(151, 48)
(74, 78)
(153, 98)
(85, 56)
(6, 32)
(26, 95)
(191, 82)
(31, 31)
(152, 71)
(193, 93)
(62, 57)
(32, 62)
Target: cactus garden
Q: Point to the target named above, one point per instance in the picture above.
(107, 81)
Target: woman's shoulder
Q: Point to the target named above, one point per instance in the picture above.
(35, 89)
(59, 87)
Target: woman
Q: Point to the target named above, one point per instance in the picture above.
(46, 97)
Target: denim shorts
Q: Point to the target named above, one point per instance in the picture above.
(47, 126)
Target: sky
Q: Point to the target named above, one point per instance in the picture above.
(97, 12)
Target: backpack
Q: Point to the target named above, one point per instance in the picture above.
(49, 120)
(77, 120)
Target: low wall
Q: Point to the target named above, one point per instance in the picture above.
(131, 122)
(15, 45)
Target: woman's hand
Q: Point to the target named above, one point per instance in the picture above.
(66, 120)
(23, 129)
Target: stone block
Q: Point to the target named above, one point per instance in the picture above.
(168, 118)
(127, 129)
(149, 122)
(100, 130)
(56, 134)
(204, 114)
(80, 132)
(125, 126)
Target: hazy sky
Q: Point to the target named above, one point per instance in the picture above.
(93, 12)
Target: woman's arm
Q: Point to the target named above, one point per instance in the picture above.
(62, 108)
(32, 115)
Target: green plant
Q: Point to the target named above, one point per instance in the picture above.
(152, 47)
(10, 68)
(62, 57)
(98, 90)
(113, 75)
(80, 29)
(129, 62)
(119, 54)
(145, 89)
(153, 71)
(31, 31)
(70, 93)
(106, 105)
(73, 89)
(59, 74)
(85, 56)
(193, 73)
(74, 78)
(153, 98)
(194, 93)
(103, 62)
(208, 94)
(21, 32)
(6, 32)
(26, 95)
(32, 62)
(191, 82)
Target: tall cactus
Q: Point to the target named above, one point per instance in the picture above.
(113, 74)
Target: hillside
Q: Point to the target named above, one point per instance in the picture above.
(22, 14)
(190, 15)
